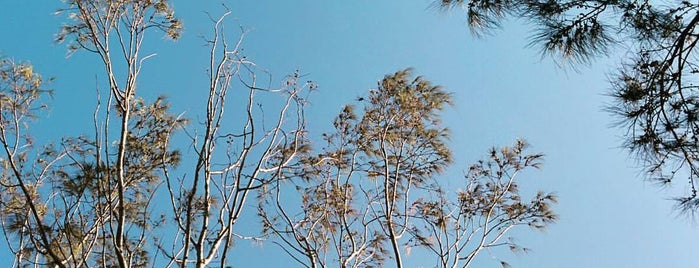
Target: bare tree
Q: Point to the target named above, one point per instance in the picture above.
(250, 151)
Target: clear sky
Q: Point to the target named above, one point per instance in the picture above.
(503, 90)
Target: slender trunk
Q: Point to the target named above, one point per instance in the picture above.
(121, 209)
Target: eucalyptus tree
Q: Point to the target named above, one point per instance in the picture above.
(654, 91)
(370, 195)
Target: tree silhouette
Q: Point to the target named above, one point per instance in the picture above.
(654, 91)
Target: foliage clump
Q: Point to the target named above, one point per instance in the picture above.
(655, 88)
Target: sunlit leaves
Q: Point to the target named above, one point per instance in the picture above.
(21, 90)
(400, 129)
(148, 141)
(57, 200)
(92, 22)
(387, 143)
(457, 229)
(21, 93)
(372, 193)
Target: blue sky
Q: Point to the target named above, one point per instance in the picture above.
(503, 90)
